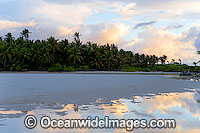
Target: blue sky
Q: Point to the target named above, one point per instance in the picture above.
(170, 27)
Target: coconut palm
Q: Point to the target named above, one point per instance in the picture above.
(44, 56)
(180, 61)
(25, 34)
(9, 38)
(75, 56)
(195, 64)
(173, 61)
(163, 59)
(25, 54)
(53, 46)
(96, 62)
(77, 40)
(5, 56)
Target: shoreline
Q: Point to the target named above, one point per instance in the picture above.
(92, 72)
(175, 75)
(189, 78)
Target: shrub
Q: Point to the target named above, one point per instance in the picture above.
(69, 68)
(83, 68)
(56, 67)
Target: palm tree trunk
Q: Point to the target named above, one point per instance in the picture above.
(4, 65)
(22, 61)
(53, 57)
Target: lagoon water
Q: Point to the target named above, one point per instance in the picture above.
(115, 95)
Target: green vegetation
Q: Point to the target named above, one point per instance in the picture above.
(22, 54)
(164, 68)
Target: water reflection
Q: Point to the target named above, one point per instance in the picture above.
(184, 107)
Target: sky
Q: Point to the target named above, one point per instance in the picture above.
(160, 27)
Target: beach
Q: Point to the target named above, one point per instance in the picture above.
(43, 93)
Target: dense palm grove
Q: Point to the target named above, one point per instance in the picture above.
(22, 54)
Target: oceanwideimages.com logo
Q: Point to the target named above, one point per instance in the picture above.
(107, 123)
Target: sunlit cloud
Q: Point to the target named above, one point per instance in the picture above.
(64, 31)
(118, 109)
(112, 33)
(162, 42)
(126, 11)
(6, 24)
(57, 13)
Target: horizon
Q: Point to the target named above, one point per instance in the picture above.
(157, 28)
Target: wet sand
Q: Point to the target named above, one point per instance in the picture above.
(117, 95)
(28, 91)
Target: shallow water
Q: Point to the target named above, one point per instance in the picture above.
(77, 96)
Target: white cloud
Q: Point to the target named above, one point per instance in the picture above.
(131, 43)
(5, 24)
(191, 34)
(51, 13)
(64, 31)
(178, 5)
(162, 42)
(111, 33)
(127, 11)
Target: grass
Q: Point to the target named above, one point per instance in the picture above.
(163, 68)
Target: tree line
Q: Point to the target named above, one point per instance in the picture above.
(22, 54)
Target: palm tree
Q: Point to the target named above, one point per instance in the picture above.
(25, 33)
(5, 55)
(64, 48)
(75, 56)
(25, 54)
(163, 59)
(52, 43)
(45, 57)
(167, 62)
(9, 38)
(173, 61)
(195, 64)
(96, 62)
(77, 39)
(180, 61)
(35, 51)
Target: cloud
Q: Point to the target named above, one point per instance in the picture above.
(127, 9)
(150, 41)
(172, 27)
(125, 12)
(160, 42)
(49, 13)
(169, 4)
(165, 103)
(191, 34)
(64, 31)
(99, 33)
(111, 33)
(85, 1)
(131, 43)
(144, 24)
(6, 24)
(197, 42)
